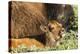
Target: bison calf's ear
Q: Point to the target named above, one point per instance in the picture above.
(51, 27)
(44, 28)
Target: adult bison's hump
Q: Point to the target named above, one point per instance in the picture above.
(26, 19)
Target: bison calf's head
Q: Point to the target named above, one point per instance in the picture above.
(53, 32)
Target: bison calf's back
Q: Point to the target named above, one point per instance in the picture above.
(15, 43)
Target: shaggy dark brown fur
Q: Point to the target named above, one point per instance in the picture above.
(26, 19)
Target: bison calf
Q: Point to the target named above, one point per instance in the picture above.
(53, 32)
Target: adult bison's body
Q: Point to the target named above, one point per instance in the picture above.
(26, 19)
(31, 20)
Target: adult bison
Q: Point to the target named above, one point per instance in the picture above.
(31, 20)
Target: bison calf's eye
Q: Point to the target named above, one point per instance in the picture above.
(50, 26)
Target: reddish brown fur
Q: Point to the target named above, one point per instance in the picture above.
(25, 41)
